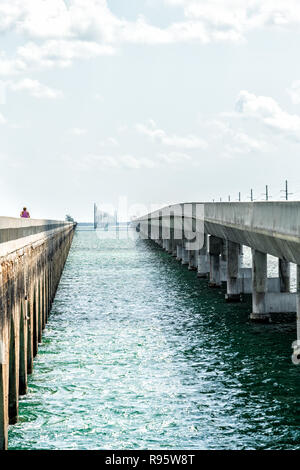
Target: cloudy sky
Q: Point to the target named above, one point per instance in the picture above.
(159, 101)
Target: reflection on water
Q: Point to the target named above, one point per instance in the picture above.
(139, 353)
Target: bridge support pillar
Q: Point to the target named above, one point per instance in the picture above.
(174, 248)
(166, 244)
(259, 287)
(179, 252)
(23, 348)
(4, 375)
(241, 255)
(215, 248)
(203, 268)
(185, 256)
(193, 260)
(223, 262)
(170, 246)
(13, 390)
(296, 344)
(233, 284)
(284, 269)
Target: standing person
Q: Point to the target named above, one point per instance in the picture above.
(25, 214)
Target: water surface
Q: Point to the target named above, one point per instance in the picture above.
(139, 354)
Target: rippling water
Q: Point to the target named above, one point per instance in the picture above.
(139, 353)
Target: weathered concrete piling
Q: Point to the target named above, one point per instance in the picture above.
(32, 257)
(266, 227)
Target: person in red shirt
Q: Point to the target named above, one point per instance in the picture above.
(25, 214)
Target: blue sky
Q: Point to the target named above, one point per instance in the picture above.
(160, 101)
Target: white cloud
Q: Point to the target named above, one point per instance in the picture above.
(268, 111)
(109, 142)
(80, 29)
(60, 52)
(237, 17)
(78, 131)
(50, 53)
(98, 97)
(172, 140)
(11, 66)
(133, 162)
(10, 13)
(99, 161)
(235, 140)
(174, 157)
(36, 89)
(2, 119)
(294, 92)
(3, 86)
(60, 32)
(117, 161)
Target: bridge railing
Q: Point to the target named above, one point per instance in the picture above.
(13, 229)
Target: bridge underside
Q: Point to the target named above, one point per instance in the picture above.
(275, 244)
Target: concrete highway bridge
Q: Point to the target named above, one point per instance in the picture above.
(32, 257)
(209, 238)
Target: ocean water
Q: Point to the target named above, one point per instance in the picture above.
(140, 354)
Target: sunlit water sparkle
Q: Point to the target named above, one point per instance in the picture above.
(139, 354)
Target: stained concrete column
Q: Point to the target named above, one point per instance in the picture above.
(44, 300)
(4, 362)
(30, 329)
(193, 260)
(171, 246)
(223, 262)
(241, 255)
(23, 349)
(40, 311)
(160, 228)
(35, 328)
(284, 270)
(4, 379)
(149, 227)
(13, 393)
(203, 259)
(215, 248)
(259, 286)
(179, 252)
(174, 252)
(233, 285)
(296, 344)
(185, 256)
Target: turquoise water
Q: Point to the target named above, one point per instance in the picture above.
(140, 354)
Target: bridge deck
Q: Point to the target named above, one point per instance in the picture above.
(270, 227)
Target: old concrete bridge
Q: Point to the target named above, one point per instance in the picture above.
(223, 228)
(32, 257)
